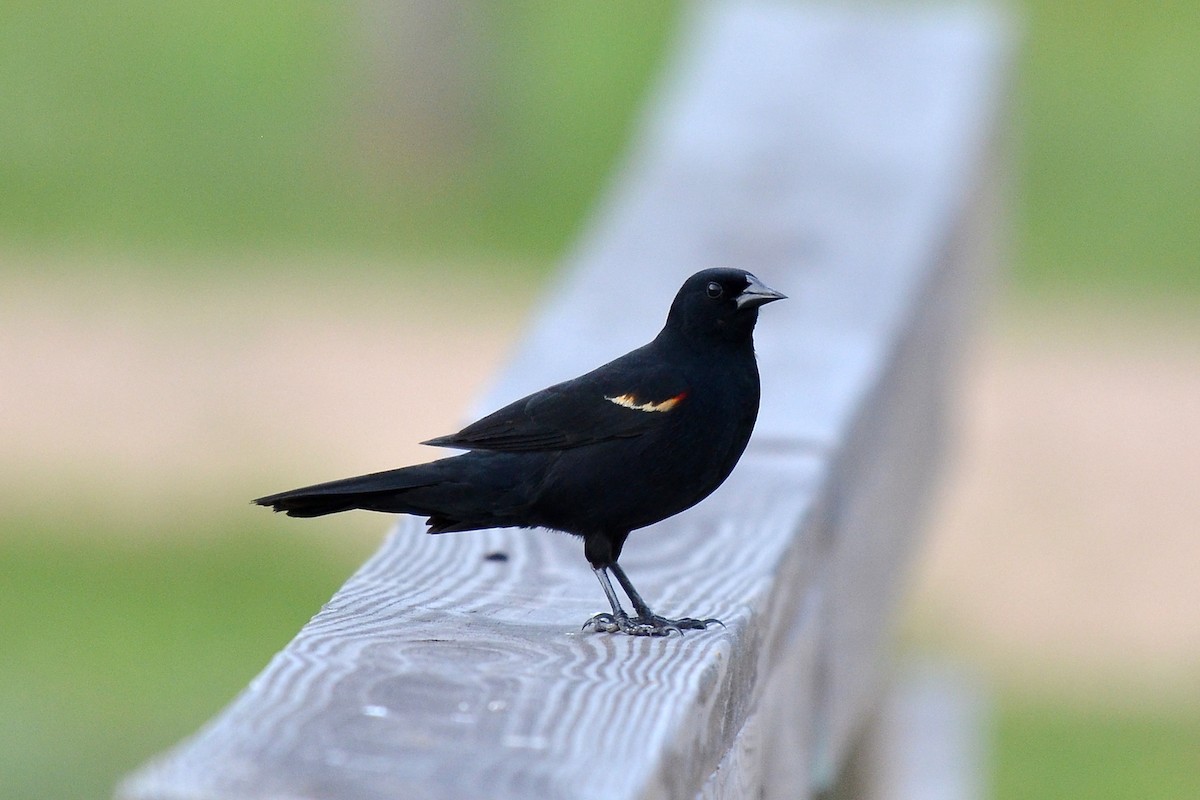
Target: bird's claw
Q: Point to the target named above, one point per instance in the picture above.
(602, 623)
(647, 625)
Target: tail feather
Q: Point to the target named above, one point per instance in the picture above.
(468, 492)
(362, 491)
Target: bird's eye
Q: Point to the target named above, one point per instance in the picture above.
(715, 290)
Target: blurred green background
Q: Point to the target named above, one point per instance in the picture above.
(187, 136)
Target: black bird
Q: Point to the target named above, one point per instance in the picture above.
(622, 447)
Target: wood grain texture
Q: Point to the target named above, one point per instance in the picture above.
(434, 672)
(838, 154)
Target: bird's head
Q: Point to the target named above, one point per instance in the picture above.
(720, 303)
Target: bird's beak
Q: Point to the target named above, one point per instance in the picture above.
(758, 294)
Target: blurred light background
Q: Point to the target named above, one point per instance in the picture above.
(249, 245)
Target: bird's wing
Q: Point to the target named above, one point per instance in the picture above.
(597, 407)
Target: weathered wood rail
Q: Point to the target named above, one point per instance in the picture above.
(847, 157)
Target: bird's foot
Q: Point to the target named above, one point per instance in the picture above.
(646, 625)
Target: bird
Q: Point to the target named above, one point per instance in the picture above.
(629, 444)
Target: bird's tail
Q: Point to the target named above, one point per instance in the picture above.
(379, 491)
(458, 493)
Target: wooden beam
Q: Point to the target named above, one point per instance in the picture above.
(844, 156)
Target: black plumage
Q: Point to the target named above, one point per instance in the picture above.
(626, 445)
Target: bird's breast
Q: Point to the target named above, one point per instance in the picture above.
(628, 483)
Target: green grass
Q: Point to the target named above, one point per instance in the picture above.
(190, 123)
(1110, 118)
(129, 124)
(115, 651)
(1045, 750)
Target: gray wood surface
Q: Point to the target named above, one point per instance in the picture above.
(843, 155)
(926, 741)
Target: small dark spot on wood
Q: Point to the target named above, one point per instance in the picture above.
(496, 555)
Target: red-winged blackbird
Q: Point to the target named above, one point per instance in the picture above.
(624, 446)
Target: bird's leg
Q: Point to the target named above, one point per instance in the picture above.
(602, 552)
(639, 605)
(618, 619)
(647, 617)
(646, 623)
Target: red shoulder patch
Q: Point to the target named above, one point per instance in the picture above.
(631, 401)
